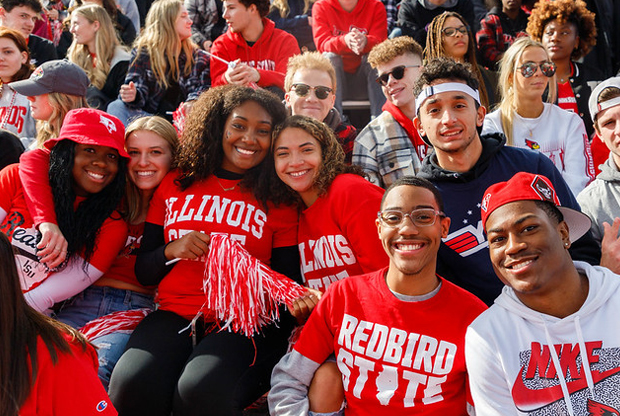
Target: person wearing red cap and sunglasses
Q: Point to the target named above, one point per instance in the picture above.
(550, 344)
(528, 122)
(87, 176)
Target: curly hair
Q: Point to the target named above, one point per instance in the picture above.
(202, 153)
(434, 48)
(390, 49)
(564, 11)
(445, 68)
(508, 70)
(26, 69)
(332, 159)
(308, 60)
(81, 226)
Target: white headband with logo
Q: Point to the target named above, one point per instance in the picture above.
(445, 87)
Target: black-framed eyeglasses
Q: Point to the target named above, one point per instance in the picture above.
(422, 217)
(528, 69)
(451, 31)
(398, 72)
(320, 91)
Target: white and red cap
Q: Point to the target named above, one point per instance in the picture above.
(526, 186)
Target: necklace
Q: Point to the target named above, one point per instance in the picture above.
(222, 186)
(7, 112)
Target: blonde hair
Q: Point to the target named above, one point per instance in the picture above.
(283, 8)
(434, 48)
(507, 71)
(61, 104)
(162, 127)
(106, 42)
(309, 60)
(160, 41)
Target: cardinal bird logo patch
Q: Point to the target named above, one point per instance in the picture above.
(532, 144)
(599, 409)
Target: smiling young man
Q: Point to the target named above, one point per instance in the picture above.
(463, 164)
(390, 147)
(257, 52)
(310, 86)
(397, 333)
(21, 15)
(550, 344)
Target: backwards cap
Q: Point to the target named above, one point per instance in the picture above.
(594, 106)
(526, 186)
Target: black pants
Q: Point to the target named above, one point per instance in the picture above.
(161, 372)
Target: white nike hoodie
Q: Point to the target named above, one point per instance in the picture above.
(513, 353)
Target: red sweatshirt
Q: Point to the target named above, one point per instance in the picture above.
(269, 55)
(69, 388)
(330, 23)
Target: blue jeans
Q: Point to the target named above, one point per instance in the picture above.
(349, 85)
(97, 301)
(126, 115)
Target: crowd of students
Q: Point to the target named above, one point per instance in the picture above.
(446, 264)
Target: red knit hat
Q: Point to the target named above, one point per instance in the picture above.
(526, 186)
(94, 127)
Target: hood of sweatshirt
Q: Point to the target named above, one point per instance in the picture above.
(609, 171)
(491, 144)
(600, 291)
(265, 37)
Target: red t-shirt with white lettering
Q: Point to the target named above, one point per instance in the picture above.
(214, 205)
(396, 357)
(337, 234)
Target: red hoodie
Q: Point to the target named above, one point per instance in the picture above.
(330, 23)
(269, 54)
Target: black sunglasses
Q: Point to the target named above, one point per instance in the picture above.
(528, 69)
(398, 72)
(451, 31)
(302, 90)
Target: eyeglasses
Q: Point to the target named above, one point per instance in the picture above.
(302, 90)
(451, 31)
(398, 72)
(528, 69)
(423, 217)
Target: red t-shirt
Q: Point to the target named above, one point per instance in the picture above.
(69, 388)
(337, 234)
(16, 222)
(123, 267)
(405, 355)
(206, 206)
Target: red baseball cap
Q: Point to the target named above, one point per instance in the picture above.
(94, 127)
(526, 186)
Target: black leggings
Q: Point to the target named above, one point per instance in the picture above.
(160, 372)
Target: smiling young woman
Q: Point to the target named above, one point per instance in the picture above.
(213, 190)
(528, 122)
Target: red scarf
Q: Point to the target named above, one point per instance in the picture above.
(407, 124)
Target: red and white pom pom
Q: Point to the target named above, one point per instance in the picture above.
(242, 291)
(121, 321)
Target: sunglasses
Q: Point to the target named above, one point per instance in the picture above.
(423, 217)
(302, 90)
(451, 31)
(528, 69)
(398, 72)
